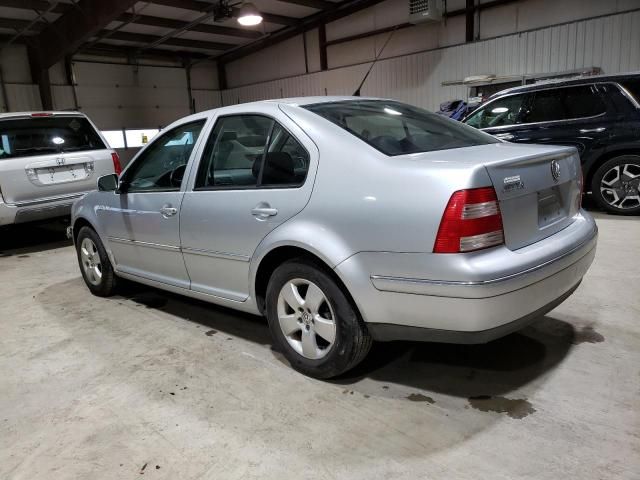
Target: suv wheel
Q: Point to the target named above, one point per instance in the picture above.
(616, 185)
(313, 321)
(94, 263)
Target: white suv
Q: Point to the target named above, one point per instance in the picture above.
(47, 161)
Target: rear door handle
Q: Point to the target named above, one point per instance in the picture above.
(263, 211)
(504, 136)
(592, 130)
(168, 211)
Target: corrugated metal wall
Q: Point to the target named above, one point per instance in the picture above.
(611, 43)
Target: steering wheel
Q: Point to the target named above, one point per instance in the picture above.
(177, 175)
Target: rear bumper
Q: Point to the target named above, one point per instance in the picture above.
(478, 297)
(37, 210)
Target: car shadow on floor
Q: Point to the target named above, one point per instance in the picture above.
(490, 369)
(34, 237)
(494, 368)
(211, 317)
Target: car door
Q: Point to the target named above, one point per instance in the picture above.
(255, 173)
(501, 117)
(575, 116)
(142, 221)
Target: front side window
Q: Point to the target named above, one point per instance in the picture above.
(501, 112)
(248, 151)
(396, 129)
(564, 104)
(161, 166)
(22, 137)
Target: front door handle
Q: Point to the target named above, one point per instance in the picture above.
(168, 211)
(263, 210)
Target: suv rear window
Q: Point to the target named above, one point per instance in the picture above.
(396, 128)
(23, 137)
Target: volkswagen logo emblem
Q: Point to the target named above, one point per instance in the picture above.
(555, 170)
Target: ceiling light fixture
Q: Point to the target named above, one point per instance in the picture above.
(249, 15)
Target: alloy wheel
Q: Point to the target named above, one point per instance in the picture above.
(306, 318)
(620, 186)
(91, 261)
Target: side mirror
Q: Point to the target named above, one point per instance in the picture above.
(108, 183)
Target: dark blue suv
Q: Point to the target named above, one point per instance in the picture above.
(599, 115)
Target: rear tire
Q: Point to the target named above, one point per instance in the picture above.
(94, 262)
(616, 185)
(313, 322)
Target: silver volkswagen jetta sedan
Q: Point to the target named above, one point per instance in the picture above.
(343, 220)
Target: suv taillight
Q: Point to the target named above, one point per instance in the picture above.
(117, 167)
(471, 221)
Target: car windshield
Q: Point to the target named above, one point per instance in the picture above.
(396, 128)
(22, 137)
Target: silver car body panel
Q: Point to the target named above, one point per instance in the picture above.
(371, 218)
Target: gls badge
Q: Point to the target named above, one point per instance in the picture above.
(512, 183)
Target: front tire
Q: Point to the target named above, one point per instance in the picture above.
(95, 266)
(616, 185)
(313, 322)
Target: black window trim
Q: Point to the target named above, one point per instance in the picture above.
(626, 94)
(123, 175)
(257, 186)
(529, 92)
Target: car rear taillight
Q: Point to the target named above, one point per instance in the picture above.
(117, 167)
(471, 221)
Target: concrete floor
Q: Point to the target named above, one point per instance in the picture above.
(167, 387)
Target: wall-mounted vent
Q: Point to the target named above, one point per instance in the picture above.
(424, 11)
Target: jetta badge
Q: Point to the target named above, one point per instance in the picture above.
(555, 170)
(60, 160)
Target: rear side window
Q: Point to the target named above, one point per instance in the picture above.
(501, 112)
(564, 104)
(248, 151)
(633, 87)
(396, 129)
(24, 137)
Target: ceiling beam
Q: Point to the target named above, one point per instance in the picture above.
(338, 11)
(132, 52)
(15, 24)
(318, 4)
(39, 5)
(176, 42)
(176, 24)
(72, 29)
(199, 6)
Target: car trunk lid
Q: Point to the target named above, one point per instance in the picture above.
(539, 194)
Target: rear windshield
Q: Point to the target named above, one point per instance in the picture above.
(23, 137)
(396, 128)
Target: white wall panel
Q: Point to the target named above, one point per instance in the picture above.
(23, 98)
(125, 96)
(62, 97)
(206, 99)
(281, 60)
(610, 42)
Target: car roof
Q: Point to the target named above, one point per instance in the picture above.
(585, 80)
(239, 108)
(44, 112)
